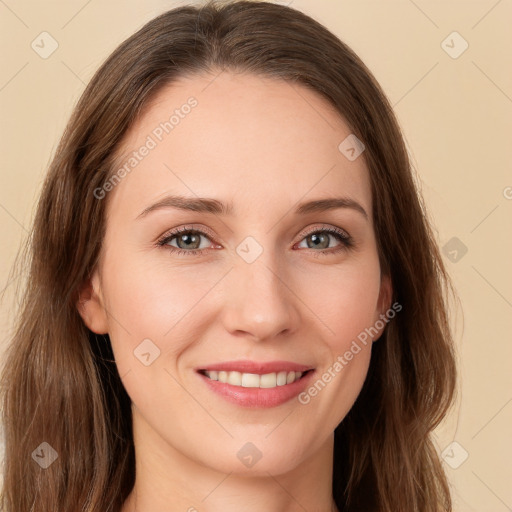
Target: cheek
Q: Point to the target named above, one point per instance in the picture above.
(347, 308)
(347, 301)
(153, 318)
(157, 302)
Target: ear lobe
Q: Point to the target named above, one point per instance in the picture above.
(383, 305)
(386, 294)
(90, 306)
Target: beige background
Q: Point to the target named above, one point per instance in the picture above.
(456, 114)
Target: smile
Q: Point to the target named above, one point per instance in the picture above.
(252, 390)
(253, 380)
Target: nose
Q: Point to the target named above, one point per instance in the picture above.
(259, 300)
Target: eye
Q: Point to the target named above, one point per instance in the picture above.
(320, 238)
(187, 241)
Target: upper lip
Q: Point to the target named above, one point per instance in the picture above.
(260, 368)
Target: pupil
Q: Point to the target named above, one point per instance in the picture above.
(316, 239)
(189, 239)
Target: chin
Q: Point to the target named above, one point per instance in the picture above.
(256, 456)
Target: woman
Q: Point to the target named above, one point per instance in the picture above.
(235, 299)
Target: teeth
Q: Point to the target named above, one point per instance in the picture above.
(234, 378)
(269, 380)
(253, 380)
(281, 379)
(250, 380)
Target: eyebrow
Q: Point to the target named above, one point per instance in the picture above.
(207, 205)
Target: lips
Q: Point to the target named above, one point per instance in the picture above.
(260, 368)
(256, 384)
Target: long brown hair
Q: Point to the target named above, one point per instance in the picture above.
(60, 384)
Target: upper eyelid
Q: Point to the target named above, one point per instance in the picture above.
(182, 229)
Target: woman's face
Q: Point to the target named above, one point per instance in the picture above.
(265, 276)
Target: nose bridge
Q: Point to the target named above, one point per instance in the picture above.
(260, 302)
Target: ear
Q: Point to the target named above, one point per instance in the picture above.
(90, 305)
(383, 305)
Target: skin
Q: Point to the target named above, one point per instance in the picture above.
(265, 146)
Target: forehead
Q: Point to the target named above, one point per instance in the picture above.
(246, 139)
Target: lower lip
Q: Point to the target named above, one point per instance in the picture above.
(258, 397)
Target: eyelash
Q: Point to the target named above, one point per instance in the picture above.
(346, 241)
